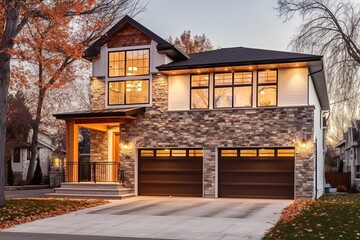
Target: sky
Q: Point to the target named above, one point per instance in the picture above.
(227, 23)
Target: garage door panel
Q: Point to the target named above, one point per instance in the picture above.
(256, 176)
(170, 175)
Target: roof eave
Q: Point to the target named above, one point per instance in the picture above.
(316, 70)
(99, 114)
(242, 63)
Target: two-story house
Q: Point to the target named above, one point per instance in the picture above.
(349, 149)
(232, 122)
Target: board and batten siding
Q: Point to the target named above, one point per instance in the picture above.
(318, 137)
(292, 89)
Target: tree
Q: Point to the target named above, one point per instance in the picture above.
(199, 43)
(331, 28)
(37, 178)
(15, 15)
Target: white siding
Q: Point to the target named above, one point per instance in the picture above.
(99, 65)
(318, 136)
(292, 86)
(179, 92)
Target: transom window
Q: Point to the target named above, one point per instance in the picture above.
(232, 89)
(128, 92)
(199, 91)
(129, 63)
(267, 88)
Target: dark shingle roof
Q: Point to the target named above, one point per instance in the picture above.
(238, 56)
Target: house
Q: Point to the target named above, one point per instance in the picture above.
(21, 155)
(349, 149)
(232, 122)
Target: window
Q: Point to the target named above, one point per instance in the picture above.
(199, 91)
(28, 154)
(267, 88)
(178, 153)
(266, 152)
(128, 92)
(147, 153)
(248, 153)
(196, 153)
(229, 153)
(286, 152)
(129, 63)
(163, 153)
(16, 157)
(232, 89)
(357, 173)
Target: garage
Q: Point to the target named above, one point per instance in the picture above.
(256, 173)
(170, 172)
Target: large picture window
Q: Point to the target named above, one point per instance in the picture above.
(128, 92)
(129, 63)
(232, 90)
(199, 91)
(267, 88)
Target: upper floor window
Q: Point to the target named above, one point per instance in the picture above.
(232, 89)
(199, 91)
(129, 63)
(17, 155)
(267, 88)
(128, 92)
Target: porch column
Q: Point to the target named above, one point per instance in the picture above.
(72, 145)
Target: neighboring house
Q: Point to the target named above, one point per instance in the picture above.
(21, 155)
(350, 150)
(231, 122)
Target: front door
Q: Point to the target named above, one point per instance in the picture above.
(115, 153)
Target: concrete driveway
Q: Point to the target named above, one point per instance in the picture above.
(167, 218)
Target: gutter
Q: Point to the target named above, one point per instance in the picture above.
(316, 165)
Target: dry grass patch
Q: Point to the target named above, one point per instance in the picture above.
(18, 211)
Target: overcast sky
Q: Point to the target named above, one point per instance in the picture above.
(227, 23)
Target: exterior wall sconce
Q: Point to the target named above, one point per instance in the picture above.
(303, 141)
(126, 144)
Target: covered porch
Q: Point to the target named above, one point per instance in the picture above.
(104, 163)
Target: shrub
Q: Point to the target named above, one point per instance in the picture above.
(37, 179)
(354, 189)
(10, 175)
(341, 188)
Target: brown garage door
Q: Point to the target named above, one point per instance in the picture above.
(170, 172)
(256, 173)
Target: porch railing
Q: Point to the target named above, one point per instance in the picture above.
(93, 172)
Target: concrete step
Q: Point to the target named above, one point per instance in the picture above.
(89, 196)
(119, 191)
(92, 185)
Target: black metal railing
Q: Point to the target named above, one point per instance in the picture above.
(93, 172)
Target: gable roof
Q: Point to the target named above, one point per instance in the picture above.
(163, 45)
(237, 56)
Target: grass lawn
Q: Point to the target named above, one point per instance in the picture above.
(18, 211)
(330, 217)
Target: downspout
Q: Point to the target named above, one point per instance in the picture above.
(316, 165)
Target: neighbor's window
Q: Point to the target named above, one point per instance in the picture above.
(199, 91)
(232, 89)
(28, 154)
(128, 92)
(267, 88)
(16, 157)
(129, 63)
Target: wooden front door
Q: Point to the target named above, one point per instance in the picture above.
(115, 152)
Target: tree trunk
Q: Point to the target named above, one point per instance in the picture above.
(35, 141)
(4, 86)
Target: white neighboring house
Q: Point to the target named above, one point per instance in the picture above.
(350, 150)
(21, 155)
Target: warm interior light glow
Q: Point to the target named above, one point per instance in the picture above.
(303, 143)
(262, 92)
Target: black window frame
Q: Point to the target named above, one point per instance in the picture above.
(125, 51)
(125, 81)
(18, 160)
(199, 87)
(233, 86)
(267, 84)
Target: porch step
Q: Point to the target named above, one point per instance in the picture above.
(92, 190)
(87, 185)
(96, 191)
(89, 196)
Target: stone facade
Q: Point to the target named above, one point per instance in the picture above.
(128, 36)
(97, 93)
(280, 126)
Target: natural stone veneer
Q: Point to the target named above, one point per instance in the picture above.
(281, 126)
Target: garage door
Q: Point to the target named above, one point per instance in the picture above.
(256, 173)
(170, 172)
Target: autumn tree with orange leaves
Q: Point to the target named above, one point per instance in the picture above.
(47, 37)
